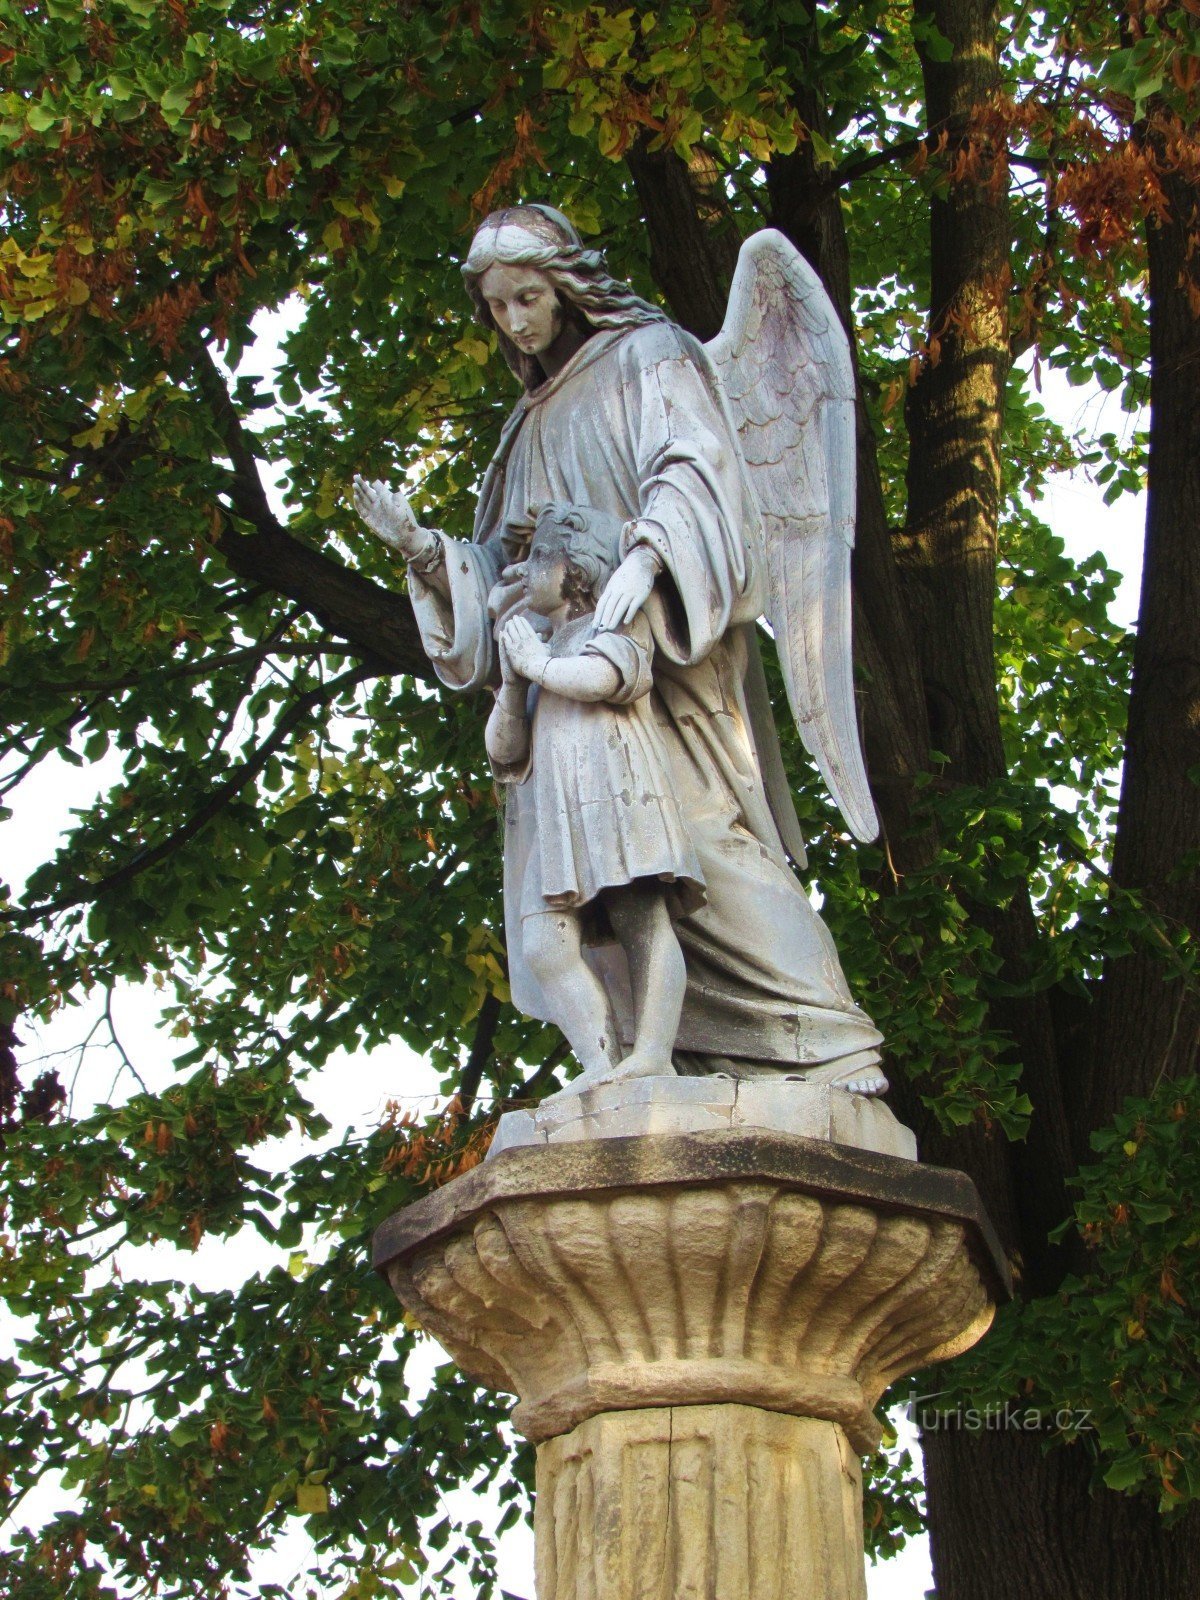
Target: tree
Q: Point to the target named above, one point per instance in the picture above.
(300, 848)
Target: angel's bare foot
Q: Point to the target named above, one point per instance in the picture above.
(862, 1077)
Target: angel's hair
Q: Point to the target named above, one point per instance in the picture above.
(538, 236)
(591, 542)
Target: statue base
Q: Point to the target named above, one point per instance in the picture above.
(659, 1107)
(698, 1327)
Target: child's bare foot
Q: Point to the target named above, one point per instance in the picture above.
(590, 1078)
(638, 1064)
(644, 1064)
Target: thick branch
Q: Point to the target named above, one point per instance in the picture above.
(376, 623)
(692, 256)
(481, 1050)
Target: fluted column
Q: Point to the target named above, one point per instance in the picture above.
(698, 1328)
(727, 1501)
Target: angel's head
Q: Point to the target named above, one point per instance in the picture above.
(528, 273)
(575, 550)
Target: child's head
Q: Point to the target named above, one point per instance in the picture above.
(589, 542)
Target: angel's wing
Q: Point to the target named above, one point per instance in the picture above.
(784, 361)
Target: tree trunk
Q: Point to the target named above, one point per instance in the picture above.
(947, 555)
(692, 256)
(1007, 1517)
(1010, 1518)
(955, 408)
(1147, 1022)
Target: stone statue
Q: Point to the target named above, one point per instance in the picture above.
(612, 846)
(650, 499)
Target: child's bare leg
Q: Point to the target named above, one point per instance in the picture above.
(552, 945)
(641, 921)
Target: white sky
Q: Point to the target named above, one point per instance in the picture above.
(352, 1092)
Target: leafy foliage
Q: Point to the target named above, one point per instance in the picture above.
(1127, 1394)
(293, 840)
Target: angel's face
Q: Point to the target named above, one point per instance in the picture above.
(524, 305)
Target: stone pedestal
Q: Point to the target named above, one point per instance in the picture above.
(701, 1502)
(643, 1107)
(697, 1327)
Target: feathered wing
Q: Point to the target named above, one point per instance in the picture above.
(784, 362)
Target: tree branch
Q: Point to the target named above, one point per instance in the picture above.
(530, 1090)
(377, 623)
(903, 149)
(693, 248)
(217, 800)
(481, 1050)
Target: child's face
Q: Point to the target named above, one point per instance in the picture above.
(545, 575)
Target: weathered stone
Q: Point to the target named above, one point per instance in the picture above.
(648, 501)
(641, 1107)
(698, 1327)
(735, 1275)
(699, 1503)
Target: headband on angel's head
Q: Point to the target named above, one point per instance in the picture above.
(518, 233)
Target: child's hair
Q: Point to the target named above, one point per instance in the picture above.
(592, 542)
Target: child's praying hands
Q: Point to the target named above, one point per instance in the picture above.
(526, 653)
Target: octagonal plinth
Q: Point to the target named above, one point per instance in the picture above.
(689, 1322)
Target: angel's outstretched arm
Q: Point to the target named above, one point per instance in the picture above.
(390, 517)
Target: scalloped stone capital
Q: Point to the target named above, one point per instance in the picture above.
(698, 1326)
(732, 1269)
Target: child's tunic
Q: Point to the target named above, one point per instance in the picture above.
(601, 787)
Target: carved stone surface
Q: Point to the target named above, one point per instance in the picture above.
(695, 1502)
(662, 1106)
(651, 909)
(736, 1268)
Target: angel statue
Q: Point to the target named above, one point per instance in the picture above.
(726, 473)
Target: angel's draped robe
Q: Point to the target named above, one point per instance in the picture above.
(636, 425)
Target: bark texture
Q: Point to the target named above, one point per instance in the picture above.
(693, 244)
(1010, 1518)
(1147, 1022)
(947, 555)
(955, 408)
(376, 623)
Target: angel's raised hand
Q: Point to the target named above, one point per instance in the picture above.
(388, 514)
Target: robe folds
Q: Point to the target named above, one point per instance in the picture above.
(636, 425)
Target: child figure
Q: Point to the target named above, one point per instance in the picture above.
(610, 845)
